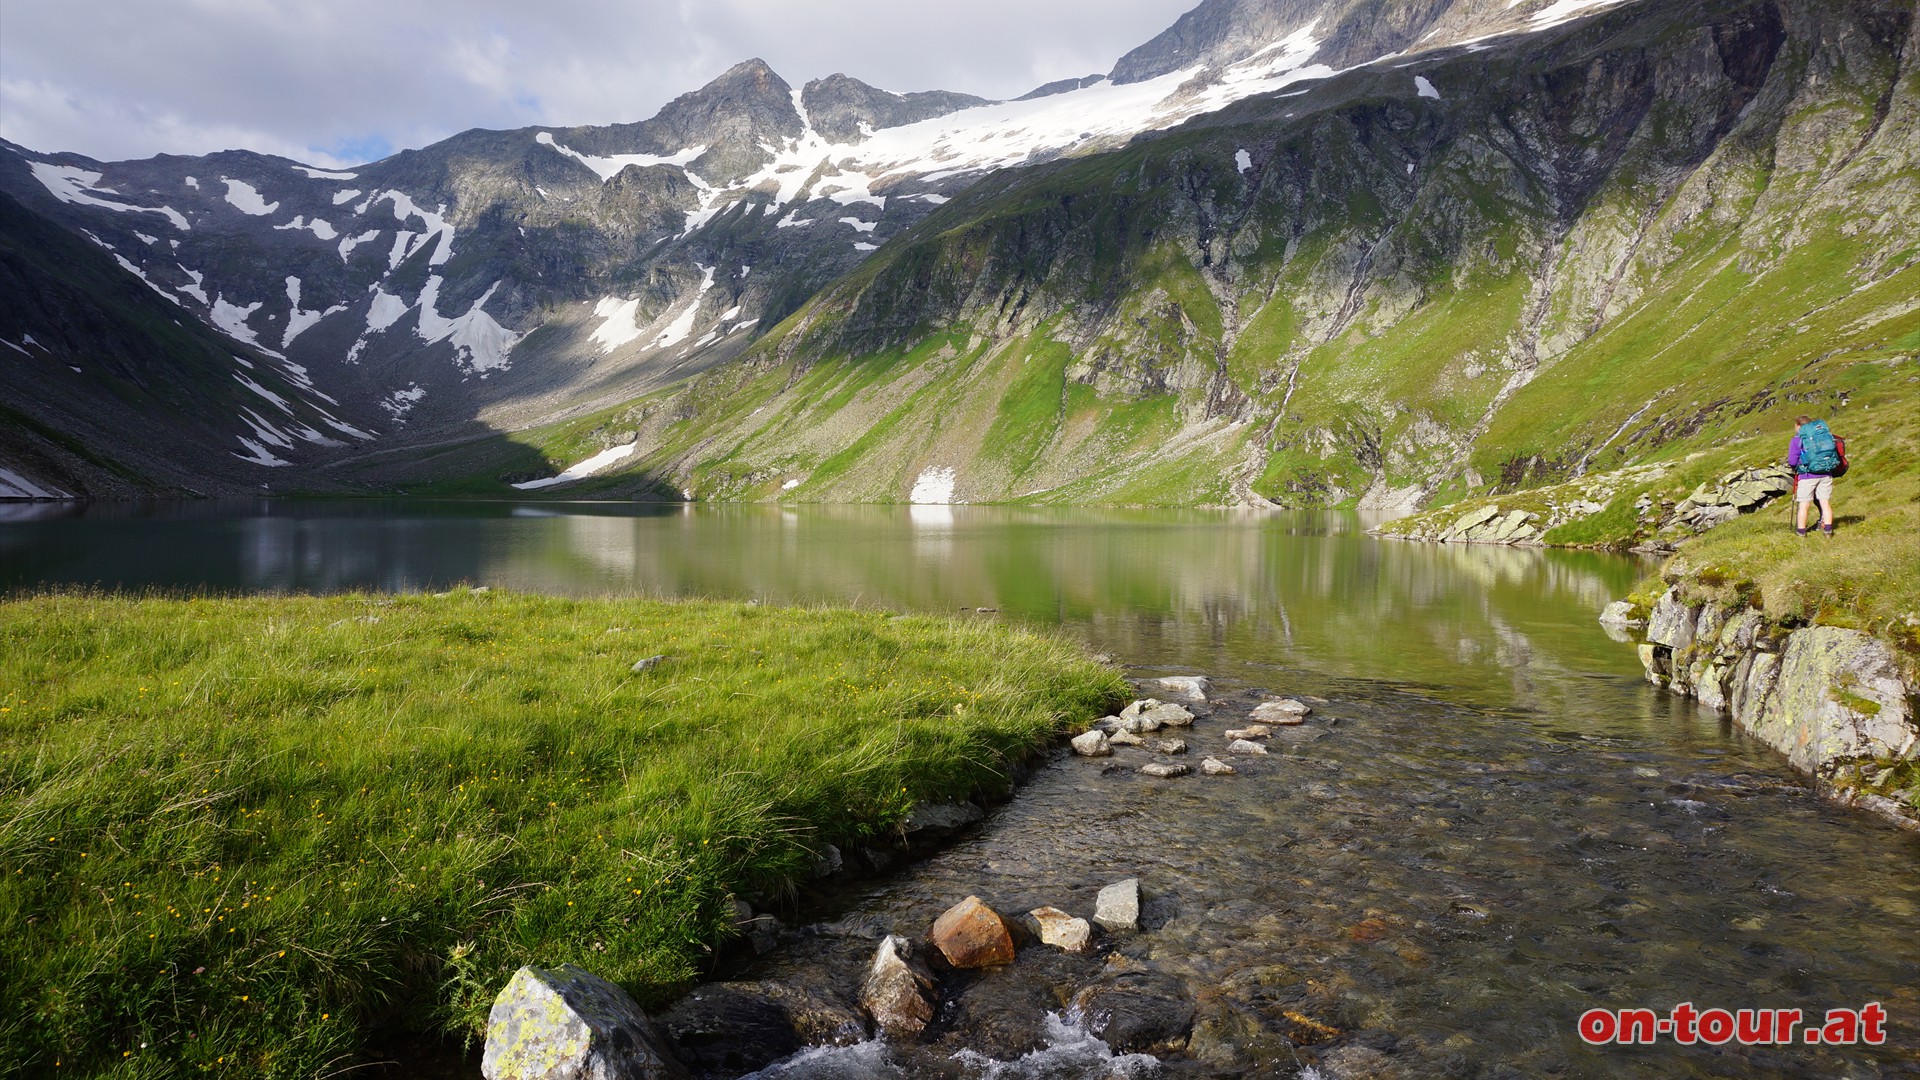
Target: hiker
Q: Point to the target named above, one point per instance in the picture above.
(1815, 457)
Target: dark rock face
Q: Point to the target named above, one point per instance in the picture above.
(839, 106)
(1138, 1012)
(728, 1029)
(1061, 86)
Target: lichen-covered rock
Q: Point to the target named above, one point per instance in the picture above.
(1164, 770)
(972, 935)
(566, 1023)
(1216, 767)
(899, 990)
(1245, 746)
(1672, 622)
(1838, 696)
(1825, 696)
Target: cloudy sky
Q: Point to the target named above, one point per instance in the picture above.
(339, 82)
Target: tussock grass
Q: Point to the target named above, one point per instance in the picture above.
(241, 836)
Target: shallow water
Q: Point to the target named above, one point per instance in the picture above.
(1490, 825)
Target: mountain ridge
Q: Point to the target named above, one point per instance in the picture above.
(500, 282)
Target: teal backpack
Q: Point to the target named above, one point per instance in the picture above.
(1819, 453)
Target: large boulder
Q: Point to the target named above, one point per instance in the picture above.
(899, 991)
(566, 1023)
(972, 935)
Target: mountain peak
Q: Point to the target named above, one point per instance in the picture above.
(839, 105)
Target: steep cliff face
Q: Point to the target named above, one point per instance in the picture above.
(1627, 236)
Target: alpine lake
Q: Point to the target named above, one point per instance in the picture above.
(1489, 824)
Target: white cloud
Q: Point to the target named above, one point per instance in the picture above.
(319, 82)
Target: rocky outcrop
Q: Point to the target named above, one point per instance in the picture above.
(566, 1023)
(1741, 491)
(1834, 700)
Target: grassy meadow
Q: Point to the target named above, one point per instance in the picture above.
(241, 837)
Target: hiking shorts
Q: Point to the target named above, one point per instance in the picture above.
(1809, 488)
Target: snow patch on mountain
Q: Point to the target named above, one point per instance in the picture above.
(609, 167)
(15, 486)
(933, 487)
(599, 462)
(342, 198)
(128, 265)
(196, 290)
(434, 225)
(297, 320)
(480, 344)
(351, 242)
(1561, 11)
(385, 310)
(1242, 160)
(323, 174)
(621, 324)
(678, 330)
(319, 228)
(232, 320)
(258, 454)
(858, 225)
(79, 186)
(247, 200)
(1424, 88)
(399, 404)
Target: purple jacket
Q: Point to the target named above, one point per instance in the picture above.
(1793, 460)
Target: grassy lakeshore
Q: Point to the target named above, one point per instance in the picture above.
(241, 835)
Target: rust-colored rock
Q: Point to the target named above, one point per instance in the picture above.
(972, 935)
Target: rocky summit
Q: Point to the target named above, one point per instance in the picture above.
(1295, 252)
